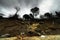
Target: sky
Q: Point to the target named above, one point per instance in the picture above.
(7, 7)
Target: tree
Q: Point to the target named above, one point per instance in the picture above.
(57, 14)
(1, 16)
(31, 16)
(48, 15)
(15, 16)
(34, 10)
(42, 16)
(17, 9)
(26, 17)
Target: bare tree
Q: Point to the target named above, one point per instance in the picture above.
(15, 16)
(17, 9)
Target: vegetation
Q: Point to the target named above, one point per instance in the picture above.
(30, 26)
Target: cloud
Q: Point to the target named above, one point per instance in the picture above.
(8, 3)
(25, 5)
(55, 6)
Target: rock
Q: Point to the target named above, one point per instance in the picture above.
(5, 35)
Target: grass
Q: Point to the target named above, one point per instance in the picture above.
(47, 37)
(16, 26)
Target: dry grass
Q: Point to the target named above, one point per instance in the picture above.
(15, 27)
(47, 37)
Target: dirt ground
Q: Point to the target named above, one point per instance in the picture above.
(47, 37)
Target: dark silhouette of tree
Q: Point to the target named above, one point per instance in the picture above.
(17, 9)
(34, 10)
(48, 15)
(31, 16)
(15, 16)
(1, 15)
(51, 17)
(41, 16)
(26, 17)
(57, 14)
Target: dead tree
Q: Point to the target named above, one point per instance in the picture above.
(15, 16)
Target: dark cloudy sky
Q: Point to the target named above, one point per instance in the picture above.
(7, 6)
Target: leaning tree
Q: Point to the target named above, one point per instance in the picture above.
(15, 16)
(17, 9)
